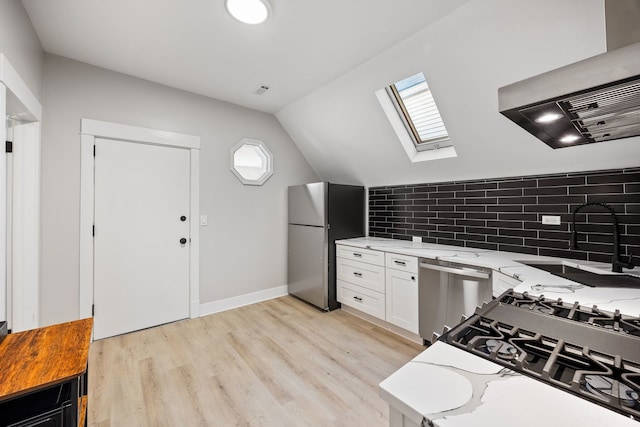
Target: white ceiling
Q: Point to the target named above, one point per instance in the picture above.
(196, 46)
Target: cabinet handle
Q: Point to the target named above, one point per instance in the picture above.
(400, 262)
(413, 278)
(355, 273)
(359, 299)
(357, 255)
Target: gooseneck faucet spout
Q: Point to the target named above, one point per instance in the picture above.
(616, 262)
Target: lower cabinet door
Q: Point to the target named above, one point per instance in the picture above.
(402, 299)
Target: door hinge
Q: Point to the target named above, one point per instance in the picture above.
(93, 310)
(93, 230)
(94, 151)
(8, 147)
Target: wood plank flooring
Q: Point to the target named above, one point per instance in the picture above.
(276, 363)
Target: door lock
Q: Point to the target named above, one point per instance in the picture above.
(183, 241)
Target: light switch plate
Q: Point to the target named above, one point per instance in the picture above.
(204, 220)
(551, 219)
(416, 239)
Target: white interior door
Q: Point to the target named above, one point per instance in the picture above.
(141, 268)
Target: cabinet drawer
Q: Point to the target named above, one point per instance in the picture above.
(359, 273)
(402, 262)
(362, 299)
(357, 254)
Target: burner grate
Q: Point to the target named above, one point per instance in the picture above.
(614, 322)
(501, 332)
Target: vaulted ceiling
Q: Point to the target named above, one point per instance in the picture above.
(196, 46)
(324, 61)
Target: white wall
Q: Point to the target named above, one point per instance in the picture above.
(466, 57)
(243, 249)
(20, 44)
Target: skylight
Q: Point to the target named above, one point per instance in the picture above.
(417, 109)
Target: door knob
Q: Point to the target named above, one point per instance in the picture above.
(183, 218)
(183, 241)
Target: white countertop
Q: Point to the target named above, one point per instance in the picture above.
(533, 280)
(469, 391)
(453, 388)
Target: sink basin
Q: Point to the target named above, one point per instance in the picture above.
(588, 278)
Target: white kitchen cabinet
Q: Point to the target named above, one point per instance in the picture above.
(360, 280)
(500, 282)
(381, 284)
(360, 298)
(401, 262)
(363, 255)
(398, 419)
(401, 283)
(359, 273)
(402, 299)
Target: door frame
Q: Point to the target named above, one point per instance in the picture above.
(89, 131)
(18, 102)
(23, 261)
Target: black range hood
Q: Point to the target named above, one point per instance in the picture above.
(594, 100)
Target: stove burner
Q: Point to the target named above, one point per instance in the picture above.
(591, 353)
(539, 304)
(617, 323)
(502, 349)
(613, 322)
(603, 386)
(540, 308)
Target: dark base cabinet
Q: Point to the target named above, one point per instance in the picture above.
(43, 380)
(51, 407)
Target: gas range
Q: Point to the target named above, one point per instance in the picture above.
(588, 352)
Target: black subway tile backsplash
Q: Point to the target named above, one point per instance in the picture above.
(547, 191)
(598, 189)
(517, 232)
(506, 213)
(520, 183)
(563, 181)
(481, 185)
(615, 177)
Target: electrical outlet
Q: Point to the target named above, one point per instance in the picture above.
(551, 219)
(416, 239)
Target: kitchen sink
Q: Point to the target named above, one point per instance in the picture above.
(588, 278)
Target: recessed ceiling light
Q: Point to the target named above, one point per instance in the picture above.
(249, 11)
(548, 118)
(568, 139)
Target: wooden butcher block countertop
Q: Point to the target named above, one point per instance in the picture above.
(39, 358)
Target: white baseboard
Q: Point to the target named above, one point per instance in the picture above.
(242, 300)
(194, 310)
(383, 324)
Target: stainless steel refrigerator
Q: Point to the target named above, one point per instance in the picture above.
(319, 214)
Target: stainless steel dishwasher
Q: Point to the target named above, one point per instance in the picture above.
(448, 290)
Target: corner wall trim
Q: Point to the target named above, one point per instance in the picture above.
(242, 300)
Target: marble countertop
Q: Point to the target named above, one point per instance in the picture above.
(449, 387)
(532, 280)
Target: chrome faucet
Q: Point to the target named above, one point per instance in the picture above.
(616, 262)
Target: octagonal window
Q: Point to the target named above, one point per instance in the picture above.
(251, 162)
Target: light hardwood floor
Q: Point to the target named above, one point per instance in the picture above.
(276, 363)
